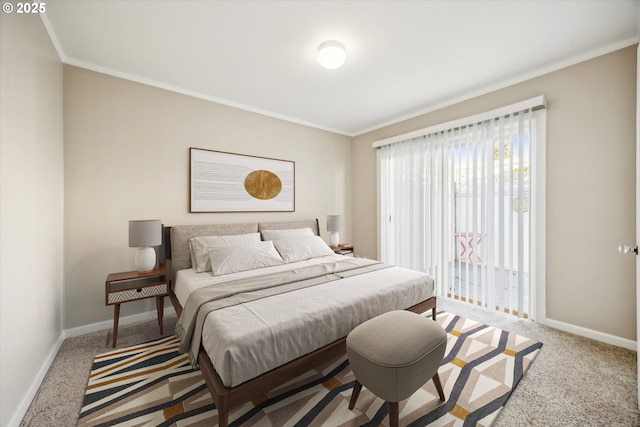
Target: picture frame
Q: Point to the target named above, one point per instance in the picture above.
(229, 182)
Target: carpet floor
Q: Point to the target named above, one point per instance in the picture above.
(574, 381)
(153, 384)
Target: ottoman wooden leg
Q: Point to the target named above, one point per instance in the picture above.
(436, 381)
(354, 394)
(393, 414)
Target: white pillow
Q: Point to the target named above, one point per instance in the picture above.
(248, 256)
(301, 248)
(286, 234)
(199, 247)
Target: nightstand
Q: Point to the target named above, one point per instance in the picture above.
(343, 249)
(131, 286)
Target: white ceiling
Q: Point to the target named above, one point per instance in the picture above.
(403, 57)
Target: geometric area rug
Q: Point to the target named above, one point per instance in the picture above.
(152, 384)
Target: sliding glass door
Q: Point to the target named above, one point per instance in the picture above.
(457, 203)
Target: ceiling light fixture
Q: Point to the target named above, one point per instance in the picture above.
(331, 54)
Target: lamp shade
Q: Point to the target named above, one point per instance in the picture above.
(145, 233)
(334, 222)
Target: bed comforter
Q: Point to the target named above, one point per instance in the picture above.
(254, 321)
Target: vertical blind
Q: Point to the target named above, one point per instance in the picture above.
(456, 203)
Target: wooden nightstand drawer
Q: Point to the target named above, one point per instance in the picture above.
(132, 286)
(140, 293)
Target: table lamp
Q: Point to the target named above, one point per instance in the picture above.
(144, 234)
(334, 225)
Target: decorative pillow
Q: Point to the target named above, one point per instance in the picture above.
(286, 234)
(301, 248)
(199, 247)
(242, 257)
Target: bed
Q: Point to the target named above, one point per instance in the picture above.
(252, 329)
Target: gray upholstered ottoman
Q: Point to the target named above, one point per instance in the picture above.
(395, 354)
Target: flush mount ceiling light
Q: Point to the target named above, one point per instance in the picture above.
(331, 54)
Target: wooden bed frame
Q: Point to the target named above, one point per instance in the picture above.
(227, 398)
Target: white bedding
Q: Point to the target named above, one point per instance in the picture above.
(249, 339)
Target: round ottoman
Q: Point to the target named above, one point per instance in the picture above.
(395, 354)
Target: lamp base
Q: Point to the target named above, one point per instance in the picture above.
(145, 259)
(334, 238)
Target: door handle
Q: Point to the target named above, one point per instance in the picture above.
(624, 249)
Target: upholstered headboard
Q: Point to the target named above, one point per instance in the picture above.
(287, 225)
(176, 238)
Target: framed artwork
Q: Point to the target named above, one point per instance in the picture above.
(228, 182)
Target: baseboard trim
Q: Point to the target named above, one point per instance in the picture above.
(108, 324)
(21, 410)
(595, 335)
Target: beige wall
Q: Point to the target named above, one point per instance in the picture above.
(127, 157)
(31, 210)
(590, 186)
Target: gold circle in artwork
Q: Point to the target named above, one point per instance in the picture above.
(262, 184)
